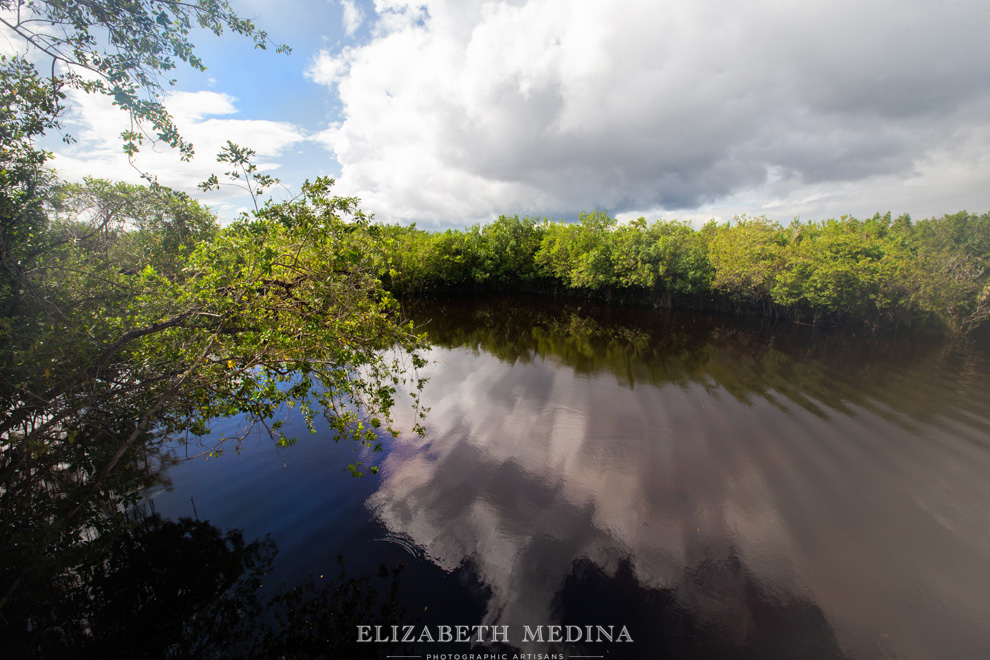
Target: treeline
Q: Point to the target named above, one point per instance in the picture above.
(881, 273)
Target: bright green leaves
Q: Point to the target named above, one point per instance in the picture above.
(879, 271)
(833, 267)
(132, 141)
(598, 254)
(295, 302)
(135, 319)
(499, 254)
(746, 256)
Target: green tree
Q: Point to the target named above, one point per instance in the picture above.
(115, 349)
(832, 268)
(951, 275)
(746, 257)
(581, 254)
(243, 173)
(636, 259)
(507, 248)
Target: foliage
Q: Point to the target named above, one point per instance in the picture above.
(506, 250)
(953, 274)
(129, 317)
(297, 314)
(747, 257)
(27, 109)
(833, 266)
(142, 320)
(580, 254)
(500, 255)
(243, 173)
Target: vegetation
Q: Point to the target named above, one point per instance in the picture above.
(878, 273)
(145, 321)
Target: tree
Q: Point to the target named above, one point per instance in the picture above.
(579, 254)
(507, 248)
(112, 356)
(950, 275)
(746, 257)
(832, 267)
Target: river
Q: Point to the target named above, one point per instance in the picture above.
(706, 488)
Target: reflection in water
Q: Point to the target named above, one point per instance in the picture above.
(186, 589)
(699, 616)
(151, 588)
(758, 492)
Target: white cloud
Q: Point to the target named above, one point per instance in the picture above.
(457, 110)
(353, 16)
(207, 119)
(327, 69)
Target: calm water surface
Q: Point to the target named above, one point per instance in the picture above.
(720, 490)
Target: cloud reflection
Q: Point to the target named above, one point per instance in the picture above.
(812, 492)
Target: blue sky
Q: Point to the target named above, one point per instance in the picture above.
(450, 112)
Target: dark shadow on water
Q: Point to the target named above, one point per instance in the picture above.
(718, 609)
(160, 588)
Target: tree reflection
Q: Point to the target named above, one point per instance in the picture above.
(780, 363)
(186, 589)
(717, 609)
(319, 618)
(160, 588)
(151, 588)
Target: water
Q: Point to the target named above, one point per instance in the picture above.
(715, 489)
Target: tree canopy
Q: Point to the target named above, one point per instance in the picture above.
(879, 273)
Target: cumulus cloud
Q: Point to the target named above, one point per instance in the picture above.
(207, 119)
(353, 16)
(457, 110)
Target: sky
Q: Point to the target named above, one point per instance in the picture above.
(452, 112)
